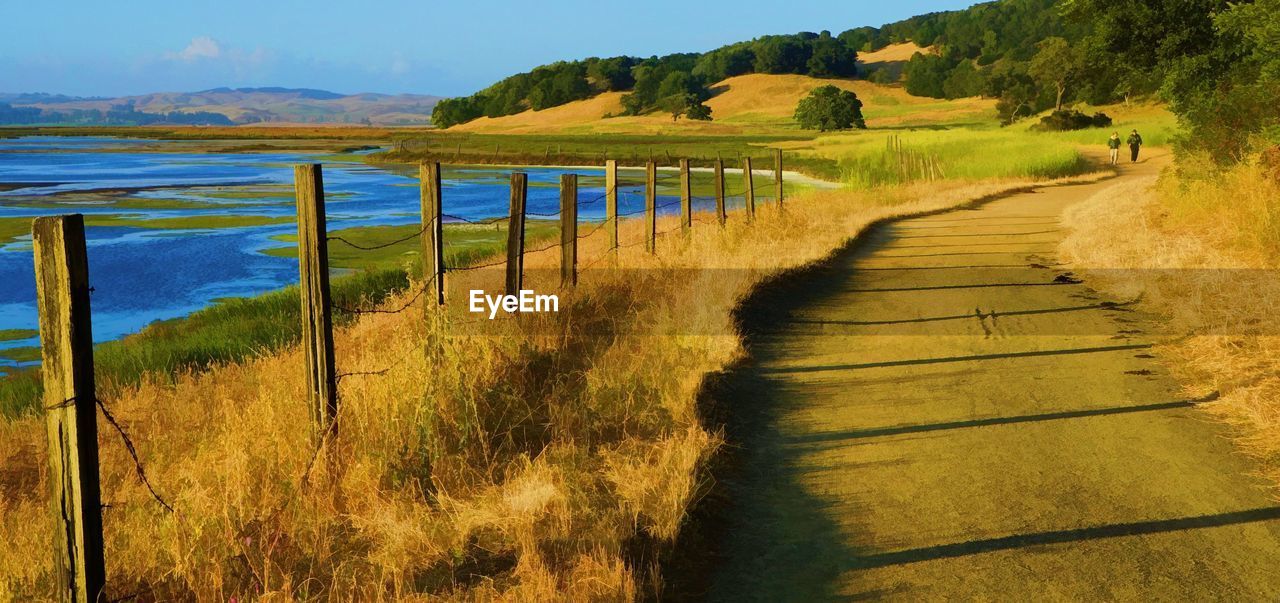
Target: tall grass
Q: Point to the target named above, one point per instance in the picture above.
(528, 458)
(886, 158)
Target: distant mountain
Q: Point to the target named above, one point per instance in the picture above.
(219, 106)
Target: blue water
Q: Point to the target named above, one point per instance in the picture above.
(141, 275)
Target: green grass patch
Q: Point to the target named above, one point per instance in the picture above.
(17, 334)
(188, 222)
(594, 149)
(13, 228)
(882, 158)
(22, 354)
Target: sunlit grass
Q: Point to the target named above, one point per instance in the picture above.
(872, 158)
(518, 459)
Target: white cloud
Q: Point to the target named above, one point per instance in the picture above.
(400, 65)
(202, 47)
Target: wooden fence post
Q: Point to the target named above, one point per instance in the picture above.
(317, 317)
(515, 233)
(777, 176)
(748, 195)
(611, 201)
(568, 230)
(432, 232)
(719, 186)
(70, 403)
(651, 207)
(686, 197)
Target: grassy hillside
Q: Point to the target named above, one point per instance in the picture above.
(753, 103)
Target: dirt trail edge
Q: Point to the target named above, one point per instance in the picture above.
(942, 411)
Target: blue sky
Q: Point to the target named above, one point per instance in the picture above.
(423, 46)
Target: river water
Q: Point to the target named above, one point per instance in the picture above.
(142, 273)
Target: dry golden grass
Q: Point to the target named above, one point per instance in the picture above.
(517, 459)
(756, 103)
(1200, 251)
(893, 53)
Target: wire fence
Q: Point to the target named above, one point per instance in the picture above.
(429, 234)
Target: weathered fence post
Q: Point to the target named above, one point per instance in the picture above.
(70, 403)
(777, 176)
(651, 207)
(719, 185)
(749, 195)
(432, 232)
(515, 233)
(568, 230)
(611, 201)
(686, 197)
(317, 319)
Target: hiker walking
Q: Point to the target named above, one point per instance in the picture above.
(1113, 143)
(1135, 144)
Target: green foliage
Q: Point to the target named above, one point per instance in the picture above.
(699, 112)
(964, 81)
(926, 75)
(725, 62)
(883, 76)
(1216, 63)
(1071, 119)
(832, 58)
(665, 83)
(612, 74)
(1055, 66)
(782, 54)
(830, 108)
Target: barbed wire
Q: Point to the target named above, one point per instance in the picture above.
(482, 222)
(425, 285)
(385, 245)
(471, 267)
(599, 225)
(133, 452)
(378, 373)
(608, 253)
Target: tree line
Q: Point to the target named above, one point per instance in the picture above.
(119, 115)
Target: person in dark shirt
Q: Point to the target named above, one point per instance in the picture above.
(1135, 145)
(1113, 143)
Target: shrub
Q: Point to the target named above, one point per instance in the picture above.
(1070, 119)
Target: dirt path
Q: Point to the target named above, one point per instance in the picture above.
(947, 413)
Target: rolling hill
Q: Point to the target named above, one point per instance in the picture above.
(753, 101)
(235, 105)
